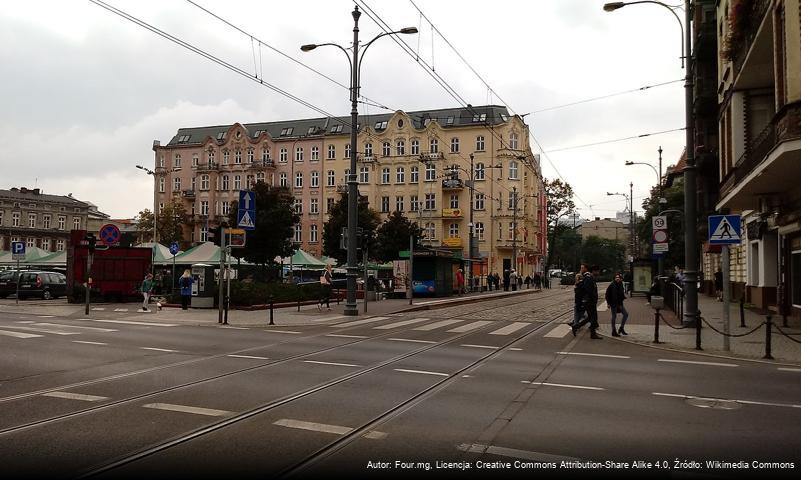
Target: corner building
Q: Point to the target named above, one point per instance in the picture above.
(418, 163)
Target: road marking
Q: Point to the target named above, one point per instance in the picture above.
(146, 324)
(469, 326)
(603, 307)
(423, 372)
(283, 331)
(187, 409)
(326, 319)
(46, 316)
(390, 326)
(509, 328)
(43, 330)
(18, 334)
(25, 321)
(513, 453)
(331, 363)
(592, 355)
(558, 331)
(228, 327)
(790, 369)
(158, 349)
(74, 396)
(432, 326)
(745, 402)
(120, 309)
(322, 427)
(92, 329)
(89, 343)
(515, 349)
(712, 364)
(359, 322)
(346, 336)
(248, 356)
(480, 346)
(98, 309)
(411, 340)
(561, 385)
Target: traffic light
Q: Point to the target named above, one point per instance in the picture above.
(92, 241)
(215, 235)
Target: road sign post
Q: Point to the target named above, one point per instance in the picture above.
(725, 230)
(18, 253)
(174, 250)
(246, 217)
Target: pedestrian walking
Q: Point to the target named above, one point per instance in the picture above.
(185, 283)
(615, 295)
(506, 276)
(578, 300)
(537, 281)
(520, 282)
(513, 280)
(719, 285)
(325, 289)
(627, 278)
(459, 281)
(528, 282)
(589, 293)
(147, 289)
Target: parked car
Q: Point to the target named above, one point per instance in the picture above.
(42, 284)
(8, 283)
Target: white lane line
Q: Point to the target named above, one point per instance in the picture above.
(322, 427)
(558, 331)
(479, 346)
(98, 309)
(432, 326)
(25, 321)
(390, 326)
(592, 355)
(744, 402)
(790, 369)
(46, 316)
(469, 326)
(42, 330)
(228, 327)
(422, 372)
(248, 356)
(147, 324)
(561, 385)
(120, 309)
(515, 349)
(509, 328)
(283, 331)
(74, 396)
(711, 364)
(91, 329)
(19, 334)
(411, 340)
(346, 336)
(331, 363)
(359, 322)
(514, 453)
(210, 412)
(326, 319)
(89, 343)
(158, 349)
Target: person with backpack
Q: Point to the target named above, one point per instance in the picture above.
(185, 282)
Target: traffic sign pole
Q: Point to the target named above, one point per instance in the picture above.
(19, 274)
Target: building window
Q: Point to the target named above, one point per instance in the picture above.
(176, 184)
(453, 230)
(384, 204)
(31, 220)
(500, 230)
(265, 154)
(298, 233)
(513, 170)
(194, 180)
(250, 155)
(399, 203)
(161, 185)
(204, 234)
(431, 172)
(161, 161)
(347, 151)
(386, 149)
(329, 204)
(454, 200)
(315, 153)
(30, 242)
(364, 175)
(414, 203)
(282, 155)
(512, 200)
(511, 230)
(433, 146)
(314, 206)
(454, 145)
(46, 244)
(298, 204)
(204, 207)
(368, 150)
(479, 233)
(249, 180)
(431, 201)
(177, 163)
(299, 154)
(332, 152)
(260, 177)
(331, 178)
(62, 222)
(385, 176)
(45, 221)
(480, 143)
(194, 160)
(237, 182)
(226, 157)
(315, 179)
(400, 174)
(479, 201)
(225, 182)
(226, 208)
(430, 232)
(400, 148)
(59, 245)
(210, 157)
(313, 234)
(299, 180)
(513, 141)
(414, 174)
(415, 147)
(76, 223)
(479, 175)
(204, 182)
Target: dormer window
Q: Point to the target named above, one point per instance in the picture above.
(285, 132)
(220, 136)
(336, 128)
(449, 121)
(184, 138)
(380, 125)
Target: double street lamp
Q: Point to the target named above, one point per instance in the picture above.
(630, 205)
(353, 188)
(155, 217)
(662, 200)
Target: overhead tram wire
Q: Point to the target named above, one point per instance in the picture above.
(662, 132)
(217, 60)
(285, 55)
(603, 97)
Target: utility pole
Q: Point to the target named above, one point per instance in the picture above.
(631, 221)
(220, 283)
(690, 194)
(514, 228)
(472, 227)
(660, 262)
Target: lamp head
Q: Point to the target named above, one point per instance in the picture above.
(408, 30)
(612, 6)
(307, 48)
(629, 162)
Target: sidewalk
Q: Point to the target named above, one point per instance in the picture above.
(640, 327)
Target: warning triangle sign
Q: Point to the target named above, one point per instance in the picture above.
(725, 231)
(246, 221)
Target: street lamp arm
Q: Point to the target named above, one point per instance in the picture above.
(307, 48)
(659, 177)
(610, 7)
(406, 30)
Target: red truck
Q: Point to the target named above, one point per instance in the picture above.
(116, 273)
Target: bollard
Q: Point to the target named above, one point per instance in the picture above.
(698, 331)
(656, 326)
(225, 317)
(769, 325)
(742, 312)
(298, 298)
(271, 310)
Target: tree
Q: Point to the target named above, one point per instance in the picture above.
(171, 220)
(607, 254)
(369, 220)
(559, 197)
(675, 202)
(275, 222)
(393, 236)
(566, 246)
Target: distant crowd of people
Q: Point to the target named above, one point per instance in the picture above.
(513, 281)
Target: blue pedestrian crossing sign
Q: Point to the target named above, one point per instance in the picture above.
(246, 218)
(725, 230)
(174, 248)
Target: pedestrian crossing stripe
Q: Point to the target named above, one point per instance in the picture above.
(246, 221)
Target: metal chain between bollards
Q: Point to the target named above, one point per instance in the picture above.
(787, 335)
(669, 325)
(729, 334)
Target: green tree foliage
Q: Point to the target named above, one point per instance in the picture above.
(393, 236)
(369, 220)
(170, 222)
(675, 202)
(566, 247)
(559, 196)
(607, 254)
(275, 221)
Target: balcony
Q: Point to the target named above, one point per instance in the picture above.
(367, 159)
(207, 166)
(428, 157)
(261, 164)
(746, 21)
(452, 213)
(342, 188)
(188, 193)
(452, 184)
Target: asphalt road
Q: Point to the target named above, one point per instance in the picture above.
(498, 387)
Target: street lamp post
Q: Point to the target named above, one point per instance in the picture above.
(660, 202)
(630, 205)
(691, 312)
(353, 188)
(155, 222)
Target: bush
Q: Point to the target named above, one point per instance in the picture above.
(253, 293)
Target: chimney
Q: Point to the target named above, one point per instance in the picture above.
(597, 218)
(36, 191)
(23, 190)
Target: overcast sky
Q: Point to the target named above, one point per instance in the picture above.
(84, 92)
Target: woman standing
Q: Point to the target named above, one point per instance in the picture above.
(325, 289)
(185, 282)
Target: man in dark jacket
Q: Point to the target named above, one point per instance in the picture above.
(615, 295)
(589, 292)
